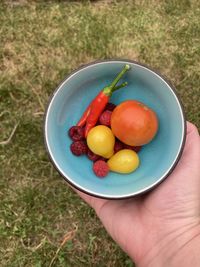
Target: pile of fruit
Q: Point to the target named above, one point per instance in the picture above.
(111, 136)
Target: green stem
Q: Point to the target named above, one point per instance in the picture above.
(119, 76)
(119, 86)
(107, 91)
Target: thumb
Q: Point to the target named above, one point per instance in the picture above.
(191, 153)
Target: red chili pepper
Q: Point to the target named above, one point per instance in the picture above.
(86, 113)
(94, 110)
(83, 119)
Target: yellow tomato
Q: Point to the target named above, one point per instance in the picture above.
(101, 140)
(124, 161)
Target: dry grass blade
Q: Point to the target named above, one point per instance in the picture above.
(37, 114)
(3, 113)
(69, 236)
(35, 93)
(6, 142)
(35, 247)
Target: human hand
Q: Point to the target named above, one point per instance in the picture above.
(161, 228)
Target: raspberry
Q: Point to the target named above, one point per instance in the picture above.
(118, 146)
(78, 148)
(92, 156)
(105, 118)
(100, 168)
(102, 158)
(128, 147)
(110, 106)
(76, 133)
(135, 148)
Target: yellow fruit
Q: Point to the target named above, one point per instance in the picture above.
(101, 140)
(124, 161)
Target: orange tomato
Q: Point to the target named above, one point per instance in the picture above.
(134, 123)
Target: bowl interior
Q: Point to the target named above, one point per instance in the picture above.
(71, 99)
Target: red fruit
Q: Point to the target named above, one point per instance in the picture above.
(102, 158)
(105, 118)
(135, 148)
(79, 148)
(134, 123)
(100, 168)
(76, 133)
(110, 106)
(92, 156)
(118, 146)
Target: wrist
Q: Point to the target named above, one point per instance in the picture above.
(178, 248)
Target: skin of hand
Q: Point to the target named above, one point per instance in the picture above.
(161, 228)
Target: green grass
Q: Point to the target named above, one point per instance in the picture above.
(40, 44)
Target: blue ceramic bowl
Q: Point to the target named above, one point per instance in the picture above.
(158, 158)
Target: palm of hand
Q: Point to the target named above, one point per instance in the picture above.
(147, 225)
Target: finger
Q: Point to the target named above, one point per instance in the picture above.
(191, 153)
(191, 128)
(188, 165)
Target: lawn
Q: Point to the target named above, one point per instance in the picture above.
(40, 43)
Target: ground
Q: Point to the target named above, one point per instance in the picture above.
(42, 221)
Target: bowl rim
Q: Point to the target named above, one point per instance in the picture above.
(146, 189)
